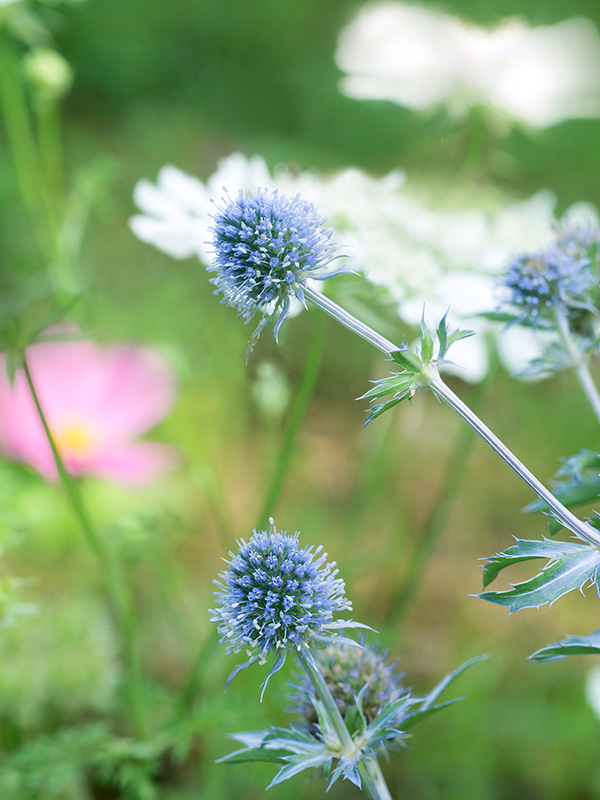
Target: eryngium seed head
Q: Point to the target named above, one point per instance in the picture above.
(276, 595)
(347, 669)
(557, 280)
(266, 246)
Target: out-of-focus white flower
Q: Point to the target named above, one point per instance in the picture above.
(177, 210)
(421, 58)
(592, 690)
(422, 256)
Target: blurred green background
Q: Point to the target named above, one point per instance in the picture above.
(187, 83)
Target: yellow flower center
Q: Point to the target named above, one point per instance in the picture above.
(74, 439)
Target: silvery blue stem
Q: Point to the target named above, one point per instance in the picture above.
(443, 392)
(349, 321)
(579, 364)
(562, 513)
(372, 780)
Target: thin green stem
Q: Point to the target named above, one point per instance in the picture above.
(194, 681)
(297, 415)
(579, 364)
(370, 773)
(116, 587)
(432, 380)
(433, 528)
(23, 147)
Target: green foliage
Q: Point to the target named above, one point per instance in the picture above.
(570, 566)
(578, 484)
(418, 366)
(569, 646)
(298, 749)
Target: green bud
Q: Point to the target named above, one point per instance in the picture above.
(48, 72)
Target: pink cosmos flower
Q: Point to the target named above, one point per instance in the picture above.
(97, 400)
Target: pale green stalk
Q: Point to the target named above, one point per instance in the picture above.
(372, 780)
(23, 147)
(297, 414)
(115, 583)
(434, 382)
(579, 363)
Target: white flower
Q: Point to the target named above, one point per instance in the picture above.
(421, 58)
(422, 256)
(592, 690)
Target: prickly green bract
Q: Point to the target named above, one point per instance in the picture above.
(418, 365)
(297, 749)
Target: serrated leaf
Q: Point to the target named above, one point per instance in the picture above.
(556, 579)
(525, 550)
(569, 646)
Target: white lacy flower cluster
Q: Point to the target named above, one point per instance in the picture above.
(421, 58)
(421, 256)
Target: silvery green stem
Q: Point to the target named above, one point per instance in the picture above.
(579, 364)
(443, 392)
(563, 514)
(347, 319)
(370, 774)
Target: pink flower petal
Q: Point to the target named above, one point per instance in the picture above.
(95, 399)
(133, 464)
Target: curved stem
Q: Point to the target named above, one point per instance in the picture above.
(119, 596)
(433, 528)
(298, 412)
(370, 774)
(579, 364)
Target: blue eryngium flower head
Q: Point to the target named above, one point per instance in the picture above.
(277, 596)
(557, 280)
(266, 246)
(349, 671)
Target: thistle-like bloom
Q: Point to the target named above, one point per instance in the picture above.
(266, 246)
(277, 596)
(348, 671)
(551, 281)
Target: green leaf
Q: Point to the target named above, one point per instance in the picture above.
(524, 550)
(408, 360)
(298, 764)
(426, 342)
(580, 484)
(558, 577)
(395, 384)
(377, 411)
(569, 646)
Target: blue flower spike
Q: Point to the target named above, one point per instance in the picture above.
(266, 247)
(277, 596)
